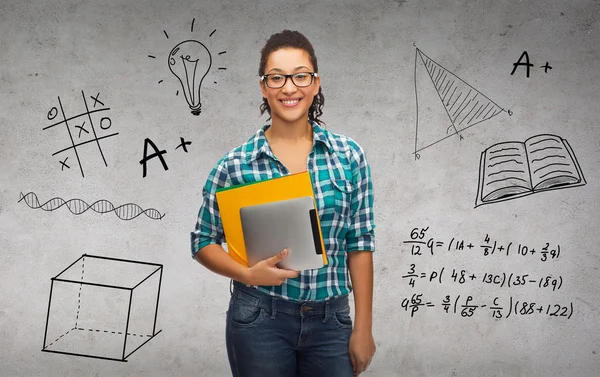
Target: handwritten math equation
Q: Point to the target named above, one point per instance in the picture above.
(467, 307)
(501, 279)
(420, 244)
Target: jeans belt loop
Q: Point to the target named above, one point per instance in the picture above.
(273, 307)
(326, 316)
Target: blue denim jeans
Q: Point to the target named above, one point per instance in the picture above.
(273, 337)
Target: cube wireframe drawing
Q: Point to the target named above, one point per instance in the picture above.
(104, 308)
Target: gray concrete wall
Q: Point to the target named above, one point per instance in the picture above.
(374, 58)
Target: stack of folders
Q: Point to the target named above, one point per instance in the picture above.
(262, 218)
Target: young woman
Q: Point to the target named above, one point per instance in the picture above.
(284, 323)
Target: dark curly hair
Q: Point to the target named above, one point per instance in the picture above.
(292, 39)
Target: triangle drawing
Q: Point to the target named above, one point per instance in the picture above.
(462, 106)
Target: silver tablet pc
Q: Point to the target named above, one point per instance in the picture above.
(271, 227)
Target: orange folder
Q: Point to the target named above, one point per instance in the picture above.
(231, 199)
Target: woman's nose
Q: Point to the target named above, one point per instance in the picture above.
(289, 86)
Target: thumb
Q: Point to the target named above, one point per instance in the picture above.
(279, 257)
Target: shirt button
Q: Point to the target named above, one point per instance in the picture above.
(310, 165)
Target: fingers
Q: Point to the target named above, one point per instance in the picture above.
(266, 272)
(281, 277)
(285, 273)
(361, 367)
(289, 274)
(358, 365)
(364, 366)
(354, 363)
(278, 258)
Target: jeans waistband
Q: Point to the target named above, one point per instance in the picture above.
(278, 304)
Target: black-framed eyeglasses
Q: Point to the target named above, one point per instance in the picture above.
(278, 80)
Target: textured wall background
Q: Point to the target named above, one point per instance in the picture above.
(71, 50)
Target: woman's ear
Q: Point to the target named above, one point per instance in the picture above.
(317, 85)
(263, 88)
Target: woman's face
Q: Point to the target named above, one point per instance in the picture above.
(289, 103)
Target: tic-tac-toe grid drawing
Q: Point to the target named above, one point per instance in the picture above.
(83, 129)
(104, 308)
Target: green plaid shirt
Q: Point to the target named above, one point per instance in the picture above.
(344, 195)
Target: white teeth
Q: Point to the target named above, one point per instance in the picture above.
(291, 102)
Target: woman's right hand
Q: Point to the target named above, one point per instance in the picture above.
(266, 271)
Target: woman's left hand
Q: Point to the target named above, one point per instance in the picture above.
(361, 349)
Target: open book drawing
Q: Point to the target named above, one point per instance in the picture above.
(513, 169)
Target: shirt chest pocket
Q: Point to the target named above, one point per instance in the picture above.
(339, 197)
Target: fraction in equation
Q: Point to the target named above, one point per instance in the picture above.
(467, 307)
(420, 244)
(502, 279)
(458, 276)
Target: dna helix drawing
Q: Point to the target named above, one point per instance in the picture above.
(128, 211)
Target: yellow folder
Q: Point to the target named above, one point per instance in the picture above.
(231, 199)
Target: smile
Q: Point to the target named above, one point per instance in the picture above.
(290, 103)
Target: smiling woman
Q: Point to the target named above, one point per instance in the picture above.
(295, 90)
(297, 323)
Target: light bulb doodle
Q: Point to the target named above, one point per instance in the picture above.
(187, 61)
(190, 61)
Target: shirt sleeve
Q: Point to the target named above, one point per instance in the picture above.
(361, 234)
(209, 228)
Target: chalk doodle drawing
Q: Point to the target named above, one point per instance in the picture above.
(79, 126)
(104, 308)
(127, 211)
(463, 105)
(513, 169)
(159, 153)
(190, 61)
